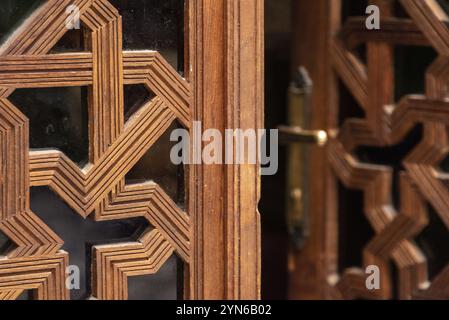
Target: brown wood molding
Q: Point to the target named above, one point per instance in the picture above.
(114, 147)
(228, 58)
(395, 228)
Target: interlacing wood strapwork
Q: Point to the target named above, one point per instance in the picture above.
(387, 123)
(37, 263)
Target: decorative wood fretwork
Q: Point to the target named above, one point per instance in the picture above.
(386, 123)
(219, 239)
(37, 263)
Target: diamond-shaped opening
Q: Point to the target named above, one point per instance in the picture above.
(411, 64)
(431, 241)
(58, 119)
(157, 166)
(166, 284)
(135, 97)
(80, 234)
(354, 229)
(6, 244)
(74, 40)
(392, 156)
(349, 108)
(154, 25)
(13, 13)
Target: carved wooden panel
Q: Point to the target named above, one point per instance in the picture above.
(364, 61)
(97, 190)
(212, 225)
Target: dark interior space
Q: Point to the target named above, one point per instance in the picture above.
(272, 205)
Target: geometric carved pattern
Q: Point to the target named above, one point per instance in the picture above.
(115, 263)
(43, 275)
(37, 263)
(387, 123)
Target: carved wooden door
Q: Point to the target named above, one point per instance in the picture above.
(379, 189)
(87, 186)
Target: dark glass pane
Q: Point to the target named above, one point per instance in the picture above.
(160, 286)
(157, 166)
(275, 241)
(6, 245)
(81, 234)
(411, 64)
(72, 41)
(431, 241)
(13, 13)
(392, 157)
(135, 97)
(26, 295)
(351, 8)
(361, 53)
(58, 119)
(154, 25)
(354, 229)
(399, 10)
(444, 5)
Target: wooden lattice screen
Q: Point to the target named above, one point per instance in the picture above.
(115, 147)
(364, 61)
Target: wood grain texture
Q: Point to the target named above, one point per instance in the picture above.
(227, 53)
(113, 264)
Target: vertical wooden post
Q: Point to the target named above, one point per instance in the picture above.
(227, 64)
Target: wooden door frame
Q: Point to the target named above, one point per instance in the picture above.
(227, 74)
(225, 54)
(313, 32)
(317, 276)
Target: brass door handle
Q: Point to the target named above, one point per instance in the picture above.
(292, 134)
(297, 137)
